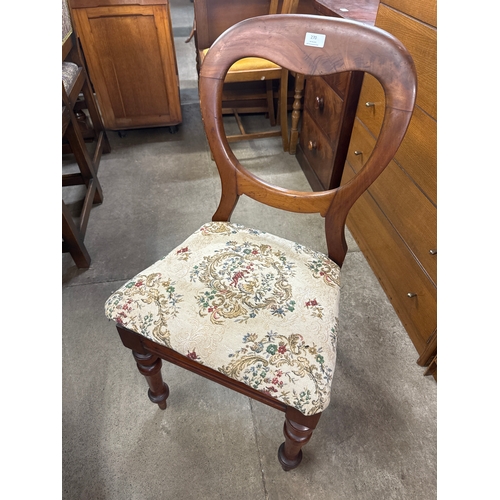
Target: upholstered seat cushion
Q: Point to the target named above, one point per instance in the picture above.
(70, 72)
(250, 63)
(260, 309)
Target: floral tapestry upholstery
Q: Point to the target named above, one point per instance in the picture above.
(258, 308)
(69, 73)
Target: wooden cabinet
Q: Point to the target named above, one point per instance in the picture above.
(129, 49)
(330, 106)
(394, 222)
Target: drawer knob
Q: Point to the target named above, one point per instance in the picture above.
(411, 295)
(357, 153)
(312, 145)
(319, 103)
(369, 104)
(433, 251)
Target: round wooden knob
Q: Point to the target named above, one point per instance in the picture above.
(319, 103)
(312, 145)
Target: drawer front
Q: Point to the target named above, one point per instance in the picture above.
(317, 150)
(424, 10)
(324, 106)
(421, 42)
(411, 213)
(417, 154)
(339, 82)
(411, 293)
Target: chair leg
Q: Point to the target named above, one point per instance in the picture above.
(270, 102)
(283, 109)
(298, 430)
(73, 239)
(150, 366)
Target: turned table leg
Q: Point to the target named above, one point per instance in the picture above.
(150, 366)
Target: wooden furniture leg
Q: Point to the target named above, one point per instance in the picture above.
(150, 366)
(73, 240)
(294, 132)
(298, 430)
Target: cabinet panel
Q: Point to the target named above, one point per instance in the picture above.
(324, 106)
(417, 154)
(410, 212)
(421, 42)
(131, 59)
(316, 148)
(395, 267)
(425, 10)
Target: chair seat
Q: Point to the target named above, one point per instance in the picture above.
(70, 72)
(250, 64)
(256, 307)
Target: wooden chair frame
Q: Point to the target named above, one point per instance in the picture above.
(349, 46)
(207, 30)
(73, 234)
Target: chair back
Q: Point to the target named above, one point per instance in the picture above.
(312, 46)
(213, 17)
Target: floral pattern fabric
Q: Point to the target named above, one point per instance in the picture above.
(258, 308)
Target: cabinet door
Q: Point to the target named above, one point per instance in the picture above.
(131, 59)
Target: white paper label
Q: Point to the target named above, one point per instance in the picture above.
(315, 40)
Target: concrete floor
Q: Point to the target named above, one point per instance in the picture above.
(376, 440)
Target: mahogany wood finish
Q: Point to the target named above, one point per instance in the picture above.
(349, 46)
(212, 18)
(80, 97)
(129, 48)
(395, 221)
(322, 152)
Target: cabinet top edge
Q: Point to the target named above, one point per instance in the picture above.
(84, 4)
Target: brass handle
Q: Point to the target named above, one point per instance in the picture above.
(433, 252)
(357, 153)
(369, 104)
(319, 103)
(411, 295)
(312, 145)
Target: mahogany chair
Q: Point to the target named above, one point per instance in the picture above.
(212, 18)
(242, 307)
(77, 95)
(79, 91)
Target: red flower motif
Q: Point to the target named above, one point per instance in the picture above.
(183, 250)
(311, 303)
(282, 349)
(139, 283)
(192, 355)
(275, 381)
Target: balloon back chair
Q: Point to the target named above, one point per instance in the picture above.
(242, 307)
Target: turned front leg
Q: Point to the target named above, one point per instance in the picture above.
(150, 366)
(298, 430)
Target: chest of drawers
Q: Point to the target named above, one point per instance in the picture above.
(329, 107)
(394, 223)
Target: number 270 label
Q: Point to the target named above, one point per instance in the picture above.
(315, 40)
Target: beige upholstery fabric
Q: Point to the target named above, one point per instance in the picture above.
(261, 309)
